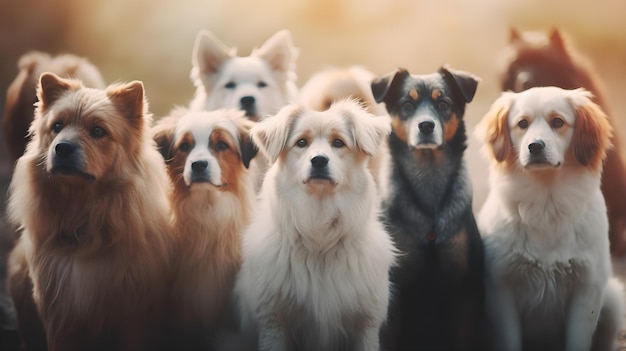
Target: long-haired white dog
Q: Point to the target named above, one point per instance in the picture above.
(544, 224)
(259, 84)
(315, 257)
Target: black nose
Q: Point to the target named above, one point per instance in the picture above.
(426, 127)
(199, 166)
(64, 149)
(319, 161)
(536, 147)
(247, 101)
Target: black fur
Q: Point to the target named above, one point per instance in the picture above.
(437, 294)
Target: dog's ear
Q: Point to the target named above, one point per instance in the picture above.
(163, 135)
(494, 131)
(466, 83)
(279, 52)
(271, 134)
(129, 99)
(385, 88)
(557, 39)
(52, 87)
(368, 130)
(246, 145)
(592, 130)
(209, 53)
(514, 35)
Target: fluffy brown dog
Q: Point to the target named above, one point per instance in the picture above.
(90, 194)
(208, 154)
(535, 59)
(21, 94)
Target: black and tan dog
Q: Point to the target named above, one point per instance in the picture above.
(437, 299)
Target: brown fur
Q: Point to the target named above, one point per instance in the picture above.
(592, 136)
(565, 67)
(494, 130)
(208, 221)
(21, 94)
(96, 239)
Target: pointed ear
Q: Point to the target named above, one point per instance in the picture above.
(279, 52)
(129, 99)
(271, 134)
(557, 40)
(368, 130)
(465, 82)
(514, 35)
(494, 131)
(592, 130)
(163, 135)
(246, 145)
(384, 87)
(209, 53)
(52, 87)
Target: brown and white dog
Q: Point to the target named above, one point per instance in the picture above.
(22, 93)
(549, 283)
(207, 154)
(534, 59)
(90, 194)
(259, 84)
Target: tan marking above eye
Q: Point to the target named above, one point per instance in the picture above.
(436, 94)
(413, 94)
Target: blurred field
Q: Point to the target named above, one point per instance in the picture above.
(152, 41)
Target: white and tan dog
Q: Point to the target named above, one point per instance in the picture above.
(316, 258)
(544, 224)
(259, 84)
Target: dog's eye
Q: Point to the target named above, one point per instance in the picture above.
(230, 85)
(221, 146)
(56, 127)
(523, 124)
(443, 105)
(407, 107)
(557, 123)
(302, 143)
(261, 84)
(338, 143)
(184, 147)
(97, 132)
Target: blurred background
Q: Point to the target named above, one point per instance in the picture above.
(152, 40)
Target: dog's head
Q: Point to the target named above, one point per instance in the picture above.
(321, 151)
(205, 148)
(537, 59)
(88, 134)
(427, 110)
(546, 128)
(259, 84)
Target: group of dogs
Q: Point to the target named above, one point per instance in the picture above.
(335, 216)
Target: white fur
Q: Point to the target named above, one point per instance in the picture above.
(215, 66)
(545, 233)
(316, 258)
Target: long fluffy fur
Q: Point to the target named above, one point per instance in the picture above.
(208, 221)
(316, 260)
(98, 250)
(549, 275)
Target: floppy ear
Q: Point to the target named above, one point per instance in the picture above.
(163, 135)
(129, 99)
(209, 53)
(592, 130)
(494, 131)
(384, 88)
(465, 82)
(368, 130)
(52, 87)
(246, 145)
(279, 52)
(271, 134)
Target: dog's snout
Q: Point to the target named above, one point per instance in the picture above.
(426, 127)
(536, 147)
(64, 149)
(319, 161)
(199, 166)
(247, 101)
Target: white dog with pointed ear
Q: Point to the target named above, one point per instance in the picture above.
(315, 257)
(549, 280)
(259, 84)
